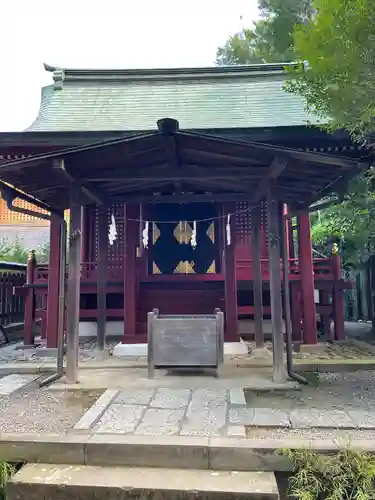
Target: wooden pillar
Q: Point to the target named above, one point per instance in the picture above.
(86, 213)
(279, 371)
(53, 283)
(295, 304)
(230, 283)
(29, 313)
(131, 213)
(257, 276)
(74, 282)
(337, 298)
(102, 276)
(325, 317)
(307, 280)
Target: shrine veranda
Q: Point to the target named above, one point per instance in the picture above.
(187, 191)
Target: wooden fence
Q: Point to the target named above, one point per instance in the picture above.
(11, 305)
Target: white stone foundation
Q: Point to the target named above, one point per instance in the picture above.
(135, 350)
(89, 328)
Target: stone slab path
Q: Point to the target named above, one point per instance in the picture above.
(14, 382)
(164, 411)
(204, 412)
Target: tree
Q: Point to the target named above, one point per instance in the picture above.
(350, 223)
(16, 252)
(271, 38)
(339, 83)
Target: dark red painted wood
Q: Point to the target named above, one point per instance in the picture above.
(53, 284)
(337, 299)
(28, 338)
(295, 303)
(307, 280)
(230, 284)
(131, 212)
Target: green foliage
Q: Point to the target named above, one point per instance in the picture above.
(271, 38)
(345, 475)
(339, 45)
(6, 472)
(16, 252)
(351, 223)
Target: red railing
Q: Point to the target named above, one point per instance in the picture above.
(322, 269)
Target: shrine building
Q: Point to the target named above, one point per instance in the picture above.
(179, 184)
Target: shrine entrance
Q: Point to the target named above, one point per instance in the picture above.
(172, 249)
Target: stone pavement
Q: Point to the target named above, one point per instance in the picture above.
(14, 382)
(212, 412)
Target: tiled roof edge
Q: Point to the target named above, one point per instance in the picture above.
(61, 75)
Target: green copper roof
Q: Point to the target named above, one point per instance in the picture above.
(199, 98)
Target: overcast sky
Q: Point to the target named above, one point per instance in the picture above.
(104, 34)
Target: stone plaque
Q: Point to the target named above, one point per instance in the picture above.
(185, 341)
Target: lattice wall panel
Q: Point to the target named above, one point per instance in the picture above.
(243, 230)
(243, 224)
(115, 251)
(264, 230)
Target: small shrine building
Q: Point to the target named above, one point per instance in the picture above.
(182, 186)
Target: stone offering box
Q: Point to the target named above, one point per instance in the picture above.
(178, 342)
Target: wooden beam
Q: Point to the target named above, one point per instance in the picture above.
(274, 170)
(225, 184)
(257, 276)
(189, 172)
(91, 193)
(181, 198)
(171, 149)
(74, 281)
(279, 371)
(225, 158)
(102, 275)
(313, 208)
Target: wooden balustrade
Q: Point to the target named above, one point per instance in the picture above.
(322, 270)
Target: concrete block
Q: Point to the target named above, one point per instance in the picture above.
(43, 448)
(93, 414)
(34, 482)
(314, 418)
(362, 419)
(237, 397)
(148, 451)
(120, 419)
(171, 398)
(135, 397)
(236, 431)
(241, 454)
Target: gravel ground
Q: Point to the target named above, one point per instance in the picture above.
(43, 410)
(327, 351)
(11, 354)
(341, 436)
(331, 391)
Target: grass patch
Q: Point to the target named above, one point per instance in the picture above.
(345, 475)
(6, 472)
(312, 378)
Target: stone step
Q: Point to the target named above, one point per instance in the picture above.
(52, 481)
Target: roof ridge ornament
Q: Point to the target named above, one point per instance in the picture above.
(58, 75)
(58, 78)
(168, 126)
